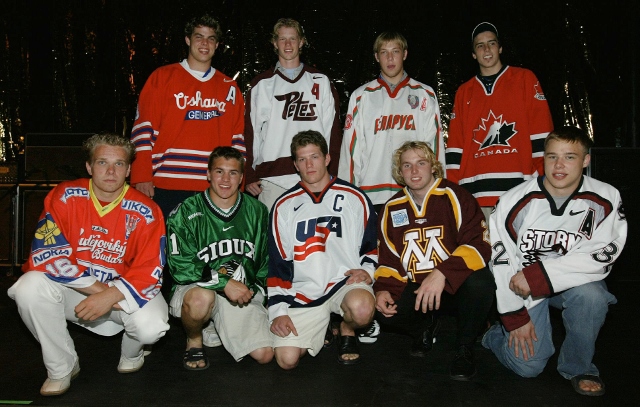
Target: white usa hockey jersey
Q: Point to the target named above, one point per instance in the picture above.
(314, 239)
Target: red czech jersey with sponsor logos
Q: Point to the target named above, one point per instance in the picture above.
(78, 241)
(180, 120)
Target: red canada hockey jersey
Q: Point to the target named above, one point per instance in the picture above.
(496, 140)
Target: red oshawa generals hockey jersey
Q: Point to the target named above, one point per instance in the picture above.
(556, 248)
(314, 240)
(447, 232)
(378, 122)
(278, 108)
(77, 241)
(181, 118)
(496, 140)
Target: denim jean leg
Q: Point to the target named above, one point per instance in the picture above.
(497, 339)
(584, 309)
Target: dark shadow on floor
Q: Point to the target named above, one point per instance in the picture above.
(387, 376)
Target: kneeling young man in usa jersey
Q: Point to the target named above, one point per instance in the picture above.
(322, 255)
(217, 255)
(96, 260)
(555, 239)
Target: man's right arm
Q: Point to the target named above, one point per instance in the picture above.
(390, 275)
(280, 288)
(353, 141)
(504, 260)
(252, 124)
(182, 259)
(51, 243)
(142, 134)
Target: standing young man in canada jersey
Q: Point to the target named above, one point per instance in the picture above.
(499, 121)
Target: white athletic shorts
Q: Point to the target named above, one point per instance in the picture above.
(242, 329)
(311, 323)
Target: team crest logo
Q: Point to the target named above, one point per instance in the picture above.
(47, 232)
(399, 218)
(348, 122)
(413, 101)
(496, 134)
(539, 94)
(130, 222)
(297, 108)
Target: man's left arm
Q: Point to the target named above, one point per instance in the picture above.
(144, 262)
(433, 128)
(588, 260)
(236, 101)
(369, 244)
(261, 259)
(331, 121)
(473, 247)
(539, 119)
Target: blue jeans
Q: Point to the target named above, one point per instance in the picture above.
(584, 309)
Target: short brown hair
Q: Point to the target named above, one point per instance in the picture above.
(436, 166)
(570, 134)
(203, 21)
(389, 36)
(109, 139)
(228, 153)
(307, 137)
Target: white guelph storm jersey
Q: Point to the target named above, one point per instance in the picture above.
(314, 240)
(556, 248)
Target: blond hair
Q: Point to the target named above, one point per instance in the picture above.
(436, 166)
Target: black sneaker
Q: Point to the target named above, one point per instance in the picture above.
(463, 367)
(423, 343)
(370, 335)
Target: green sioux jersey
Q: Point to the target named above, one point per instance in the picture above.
(208, 246)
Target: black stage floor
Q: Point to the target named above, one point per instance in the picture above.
(387, 376)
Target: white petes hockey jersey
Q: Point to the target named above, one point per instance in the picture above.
(557, 248)
(314, 240)
(278, 108)
(378, 122)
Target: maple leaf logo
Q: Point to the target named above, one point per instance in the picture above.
(497, 134)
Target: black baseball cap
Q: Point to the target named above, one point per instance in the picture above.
(482, 27)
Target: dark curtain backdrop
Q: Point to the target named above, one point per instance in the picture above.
(78, 66)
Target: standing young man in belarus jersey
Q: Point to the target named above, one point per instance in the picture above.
(96, 260)
(284, 100)
(185, 111)
(382, 115)
(555, 239)
(322, 255)
(218, 258)
(499, 121)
